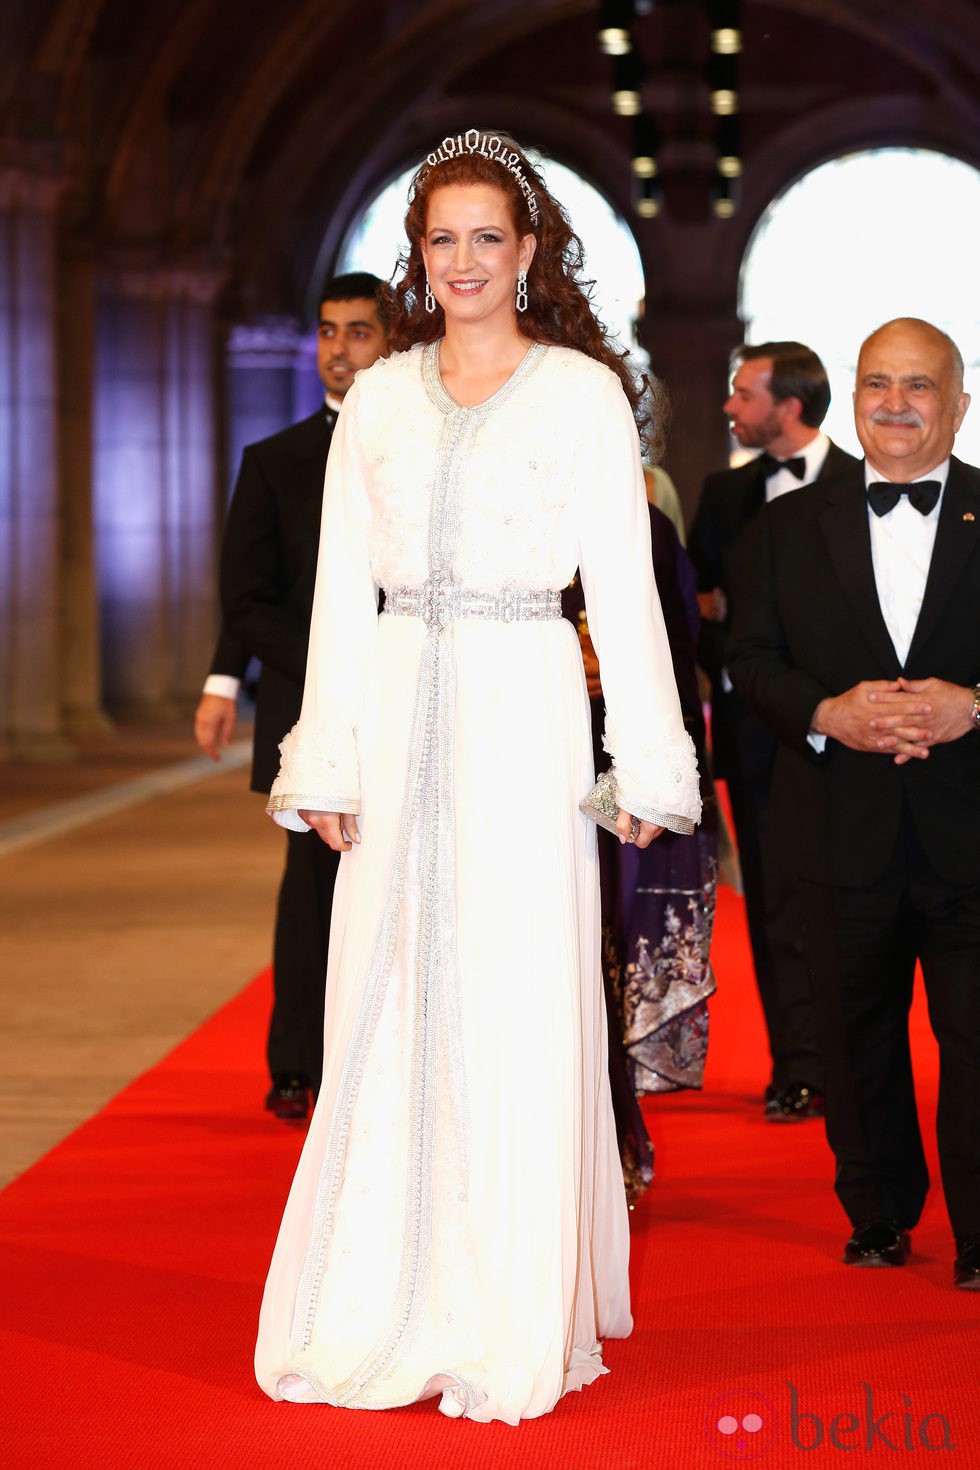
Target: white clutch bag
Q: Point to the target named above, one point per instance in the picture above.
(602, 802)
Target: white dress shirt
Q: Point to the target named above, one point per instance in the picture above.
(901, 550)
(814, 454)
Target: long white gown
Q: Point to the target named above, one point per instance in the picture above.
(458, 1209)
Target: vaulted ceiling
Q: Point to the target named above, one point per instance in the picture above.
(246, 135)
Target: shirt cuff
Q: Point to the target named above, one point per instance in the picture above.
(819, 742)
(225, 686)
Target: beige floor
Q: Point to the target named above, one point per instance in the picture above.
(128, 913)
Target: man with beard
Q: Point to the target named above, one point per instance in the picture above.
(779, 398)
(858, 640)
(268, 568)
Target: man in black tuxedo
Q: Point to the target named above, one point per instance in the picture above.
(857, 639)
(268, 568)
(779, 398)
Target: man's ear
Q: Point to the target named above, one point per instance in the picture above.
(962, 404)
(790, 410)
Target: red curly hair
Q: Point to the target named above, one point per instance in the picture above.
(559, 309)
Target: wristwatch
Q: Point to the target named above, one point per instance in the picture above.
(975, 712)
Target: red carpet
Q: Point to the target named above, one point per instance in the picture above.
(134, 1254)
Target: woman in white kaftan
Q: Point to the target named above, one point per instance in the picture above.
(457, 1222)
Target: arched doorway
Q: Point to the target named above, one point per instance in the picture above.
(873, 235)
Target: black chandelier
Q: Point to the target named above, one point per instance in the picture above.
(617, 19)
(723, 64)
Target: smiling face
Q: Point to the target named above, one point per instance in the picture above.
(349, 337)
(472, 253)
(909, 400)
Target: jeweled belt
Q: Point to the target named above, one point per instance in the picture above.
(439, 602)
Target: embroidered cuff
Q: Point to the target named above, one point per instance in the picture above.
(290, 803)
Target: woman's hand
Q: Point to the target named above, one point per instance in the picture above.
(635, 831)
(337, 829)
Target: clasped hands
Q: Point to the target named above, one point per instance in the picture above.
(901, 717)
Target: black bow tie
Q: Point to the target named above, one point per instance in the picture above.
(770, 465)
(883, 496)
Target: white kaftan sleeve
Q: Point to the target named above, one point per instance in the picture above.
(653, 755)
(319, 767)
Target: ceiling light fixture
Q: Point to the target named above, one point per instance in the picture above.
(615, 19)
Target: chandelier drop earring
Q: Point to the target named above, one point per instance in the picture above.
(522, 290)
(430, 300)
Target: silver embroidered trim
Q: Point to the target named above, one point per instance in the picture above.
(472, 1395)
(350, 805)
(436, 939)
(446, 404)
(670, 820)
(439, 602)
(437, 1021)
(602, 804)
(362, 1035)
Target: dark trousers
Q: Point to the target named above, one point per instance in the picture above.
(862, 945)
(299, 962)
(773, 906)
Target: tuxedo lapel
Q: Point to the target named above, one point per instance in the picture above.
(305, 475)
(751, 493)
(844, 524)
(956, 540)
(835, 460)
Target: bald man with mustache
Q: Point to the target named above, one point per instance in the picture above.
(858, 641)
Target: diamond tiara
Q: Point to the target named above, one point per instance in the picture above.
(488, 145)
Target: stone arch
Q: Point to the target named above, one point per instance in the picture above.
(579, 144)
(187, 167)
(852, 289)
(581, 195)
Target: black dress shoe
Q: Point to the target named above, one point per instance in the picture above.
(878, 1243)
(795, 1104)
(966, 1267)
(288, 1097)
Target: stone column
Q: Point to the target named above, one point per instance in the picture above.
(265, 360)
(30, 706)
(193, 485)
(81, 682)
(690, 326)
(156, 474)
(690, 350)
(308, 388)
